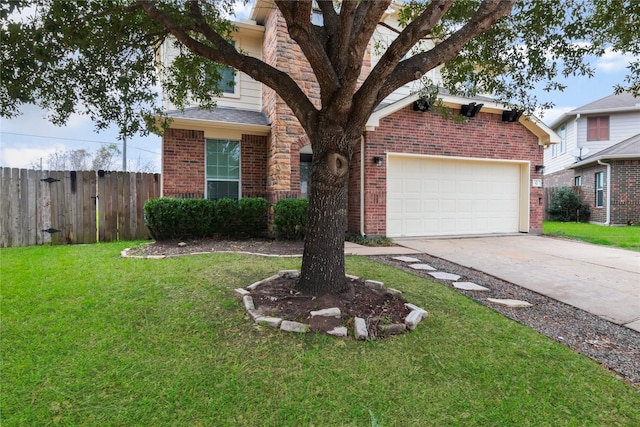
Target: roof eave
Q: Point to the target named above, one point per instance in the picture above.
(202, 124)
(603, 158)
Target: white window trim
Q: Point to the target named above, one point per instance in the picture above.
(206, 180)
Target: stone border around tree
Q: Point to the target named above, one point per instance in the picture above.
(360, 329)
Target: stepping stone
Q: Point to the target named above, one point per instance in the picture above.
(513, 303)
(422, 267)
(406, 259)
(469, 286)
(444, 276)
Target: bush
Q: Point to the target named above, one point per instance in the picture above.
(169, 218)
(566, 206)
(228, 212)
(290, 218)
(253, 216)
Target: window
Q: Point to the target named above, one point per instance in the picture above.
(554, 150)
(562, 133)
(577, 181)
(599, 189)
(598, 128)
(223, 169)
(228, 80)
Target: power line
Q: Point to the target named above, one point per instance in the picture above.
(74, 139)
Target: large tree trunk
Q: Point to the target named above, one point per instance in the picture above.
(323, 267)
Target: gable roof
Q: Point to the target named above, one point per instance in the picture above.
(627, 149)
(545, 135)
(616, 103)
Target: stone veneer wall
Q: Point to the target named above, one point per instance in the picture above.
(287, 135)
(408, 131)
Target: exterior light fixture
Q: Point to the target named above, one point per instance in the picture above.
(470, 110)
(421, 104)
(540, 168)
(511, 116)
(377, 160)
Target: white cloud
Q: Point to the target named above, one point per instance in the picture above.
(242, 9)
(551, 115)
(612, 62)
(26, 157)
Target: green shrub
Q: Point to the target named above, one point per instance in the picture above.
(228, 212)
(290, 218)
(566, 206)
(253, 216)
(169, 218)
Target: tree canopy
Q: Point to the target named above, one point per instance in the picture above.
(98, 57)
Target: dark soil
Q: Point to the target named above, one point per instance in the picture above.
(279, 298)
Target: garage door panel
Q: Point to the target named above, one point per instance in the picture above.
(435, 196)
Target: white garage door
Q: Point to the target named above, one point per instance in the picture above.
(429, 196)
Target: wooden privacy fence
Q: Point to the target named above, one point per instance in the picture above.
(59, 207)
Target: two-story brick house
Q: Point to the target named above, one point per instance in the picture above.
(599, 155)
(415, 173)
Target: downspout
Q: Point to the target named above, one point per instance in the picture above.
(362, 185)
(608, 165)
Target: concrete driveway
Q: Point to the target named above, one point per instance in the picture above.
(603, 281)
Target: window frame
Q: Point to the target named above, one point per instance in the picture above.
(599, 189)
(562, 133)
(212, 178)
(598, 128)
(577, 181)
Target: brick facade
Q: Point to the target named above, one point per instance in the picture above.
(625, 191)
(407, 131)
(183, 164)
(270, 165)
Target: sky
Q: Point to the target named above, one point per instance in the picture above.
(27, 141)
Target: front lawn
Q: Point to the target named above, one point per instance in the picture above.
(89, 338)
(627, 237)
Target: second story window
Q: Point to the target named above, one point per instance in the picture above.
(598, 128)
(562, 133)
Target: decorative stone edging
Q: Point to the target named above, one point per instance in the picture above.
(125, 254)
(360, 330)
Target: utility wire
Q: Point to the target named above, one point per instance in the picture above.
(78, 140)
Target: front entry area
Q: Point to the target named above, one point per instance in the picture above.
(447, 196)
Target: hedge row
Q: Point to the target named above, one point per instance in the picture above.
(170, 218)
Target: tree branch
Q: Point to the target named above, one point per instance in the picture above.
(224, 53)
(297, 15)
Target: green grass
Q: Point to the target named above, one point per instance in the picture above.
(91, 339)
(627, 237)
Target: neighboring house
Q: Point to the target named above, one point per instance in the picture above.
(599, 154)
(415, 173)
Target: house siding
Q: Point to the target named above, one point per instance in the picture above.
(406, 131)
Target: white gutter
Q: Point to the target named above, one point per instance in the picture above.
(608, 165)
(362, 186)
